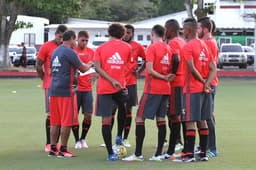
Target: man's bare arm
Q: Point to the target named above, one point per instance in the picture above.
(39, 68)
(194, 71)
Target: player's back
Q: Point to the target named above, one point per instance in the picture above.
(177, 44)
(113, 56)
(160, 55)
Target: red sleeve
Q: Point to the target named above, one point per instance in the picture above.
(150, 54)
(42, 54)
(187, 52)
(142, 52)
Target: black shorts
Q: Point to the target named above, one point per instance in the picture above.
(84, 100)
(106, 102)
(152, 105)
(198, 106)
(47, 100)
(175, 101)
(132, 95)
(214, 88)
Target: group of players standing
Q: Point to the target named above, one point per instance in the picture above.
(180, 83)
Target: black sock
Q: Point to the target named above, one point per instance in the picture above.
(54, 148)
(120, 119)
(113, 116)
(63, 148)
(75, 130)
(58, 137)
(127, 125)
(161, 137)
(203, 133)
(140, 134)
(190, 143)
(86, 127)
(184, 136)
(175, 131)
(107, 136)
(47, 129)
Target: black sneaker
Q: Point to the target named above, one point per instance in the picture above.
(52, 153)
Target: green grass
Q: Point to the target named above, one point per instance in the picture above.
(22, 134)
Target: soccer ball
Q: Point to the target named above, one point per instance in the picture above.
(122, 153)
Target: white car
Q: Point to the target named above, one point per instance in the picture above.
(30, 56)
(250, 53)
(232, 55)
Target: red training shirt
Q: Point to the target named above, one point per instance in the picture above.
(113, 56)
(44, 54)
(197, 51)
(177, 44)
(85, 55)
(160, 55)
(137, 51)
(213, 49)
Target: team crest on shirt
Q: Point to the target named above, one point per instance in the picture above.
(165, 59)
(87, 56)
(115, 59)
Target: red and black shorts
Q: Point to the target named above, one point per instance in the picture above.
(175, 104)
(85, 100)
(132, 95)
(152, 105)
(198, 106)
(63, 111)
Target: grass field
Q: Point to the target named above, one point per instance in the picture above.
(22, 135)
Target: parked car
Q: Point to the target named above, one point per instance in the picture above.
(30, 56)
(250, 53)
(232, 55)
(37, 46)
(97, 41)
(12, 49)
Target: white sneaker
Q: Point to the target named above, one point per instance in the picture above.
(126, 143)
(133, 158)
(167, 156)
(78, 145)
(156, 158)
(178, 147)
(103, 145)
(83, 144)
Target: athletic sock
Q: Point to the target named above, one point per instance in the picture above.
(127, 126)
(47, 129)
(184, 136)
(54, 148)
(107, 136)
(191, 137)
(113, 116)
(161, 137)
(86, 127)
(140, 134)
(63, 148)
(75, 130)
(175, 131)
(203, 133)
(121, 119)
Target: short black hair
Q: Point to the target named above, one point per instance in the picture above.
(206, 23)
(213, 26)
(116, 30)
(159, 30)
(83, 34)
(61, 29)
(128, 26)
(191, 22)
(68, 35)
(172, 24)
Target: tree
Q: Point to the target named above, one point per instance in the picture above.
(57, 10)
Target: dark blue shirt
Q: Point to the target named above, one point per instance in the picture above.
(64, 62)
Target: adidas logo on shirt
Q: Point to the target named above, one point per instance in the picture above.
(203, 58)
(165, 60)
(56, 62)
(115, 59)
